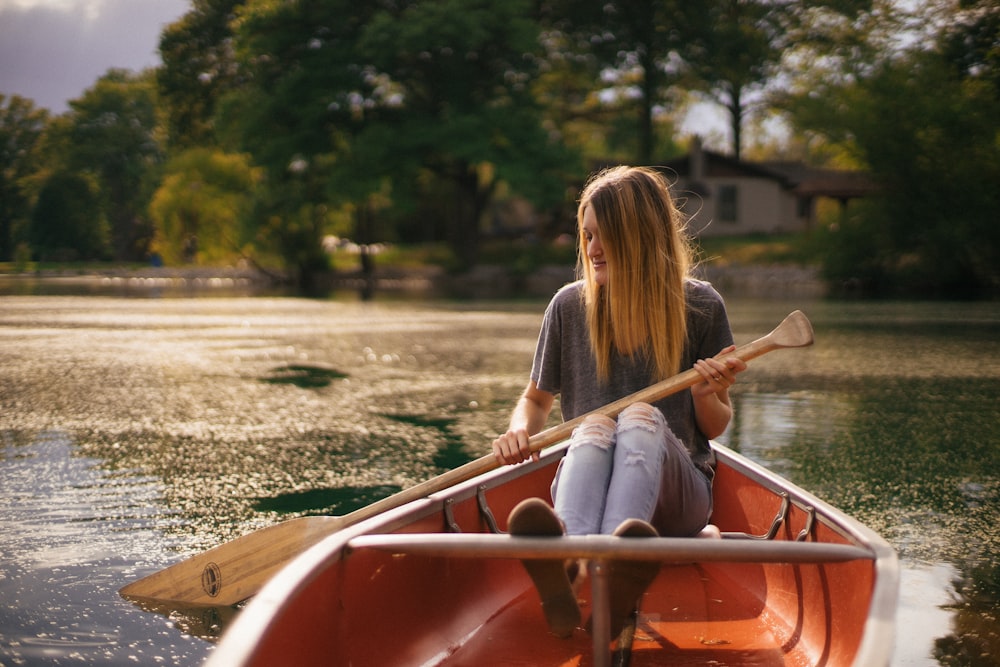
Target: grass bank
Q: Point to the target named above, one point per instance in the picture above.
(521, 257)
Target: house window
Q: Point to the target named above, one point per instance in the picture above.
(805, 208)
(728, 200)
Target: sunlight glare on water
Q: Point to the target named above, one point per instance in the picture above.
(70, 531)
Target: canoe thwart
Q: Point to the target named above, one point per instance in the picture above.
(663, 549)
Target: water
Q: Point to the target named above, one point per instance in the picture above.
(138, 431)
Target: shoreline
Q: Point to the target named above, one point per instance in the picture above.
(484, 281)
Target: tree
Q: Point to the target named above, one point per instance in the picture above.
(925, 122)
(464, 112)
(574, 109)
(205, 196)
(970, 41)
(21, 128)
(636, 48)
(737, 54)
(199, 67)
(362, 104)
(111, 132)
(302, 96)
(647, 52)
(68, 223)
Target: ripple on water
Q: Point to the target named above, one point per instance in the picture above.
(70, 535)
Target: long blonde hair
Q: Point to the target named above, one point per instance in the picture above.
(641, 309)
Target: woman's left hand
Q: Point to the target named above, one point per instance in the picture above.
(718, 372)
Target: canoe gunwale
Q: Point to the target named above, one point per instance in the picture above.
(877, 641)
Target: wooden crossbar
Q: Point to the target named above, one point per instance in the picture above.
(604, 547)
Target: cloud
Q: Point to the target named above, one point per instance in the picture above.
(53, 50)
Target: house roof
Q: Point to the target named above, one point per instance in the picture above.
(835, 183)
(797, 177)
(717, 165)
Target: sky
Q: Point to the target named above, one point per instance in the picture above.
(51, 51)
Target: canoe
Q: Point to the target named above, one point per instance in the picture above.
(437, 581)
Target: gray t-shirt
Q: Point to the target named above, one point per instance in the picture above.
(565, 365)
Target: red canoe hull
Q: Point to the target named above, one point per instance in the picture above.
(343, 604)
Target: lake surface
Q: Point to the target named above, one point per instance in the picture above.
(137, 431)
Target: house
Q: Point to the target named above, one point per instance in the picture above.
(728, 197)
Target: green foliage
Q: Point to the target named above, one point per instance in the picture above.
(930, 133)
(67, 223)
(376, 105)
(415, 256)
(111, 134)
(633, 49)
(205, 195)
(301, 102)
(301, 80)
(21, 127)
(464, 114)
(737, 53)
(524, 257)
(198, 69)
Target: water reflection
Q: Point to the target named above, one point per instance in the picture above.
(137, 432)
(975, 640)
(69, 532)
(769, 427)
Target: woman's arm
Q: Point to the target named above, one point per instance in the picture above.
(712, 408)
(529, 416)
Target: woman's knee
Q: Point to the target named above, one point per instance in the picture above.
(639, 436)
(595, 430)
(641, 416)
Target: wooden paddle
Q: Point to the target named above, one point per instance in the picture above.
(234, 571)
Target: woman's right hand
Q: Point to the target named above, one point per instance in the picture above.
(513, 447)
(529, 417)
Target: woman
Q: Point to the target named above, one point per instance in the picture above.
(636, 317)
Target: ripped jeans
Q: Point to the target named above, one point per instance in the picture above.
(614, 470)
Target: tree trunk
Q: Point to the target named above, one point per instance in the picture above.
(736, 112)
(650, 84)
(471, 198)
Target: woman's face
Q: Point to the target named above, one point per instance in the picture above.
(595, 251)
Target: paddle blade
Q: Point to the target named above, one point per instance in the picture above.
(794, 331)
(234, 571)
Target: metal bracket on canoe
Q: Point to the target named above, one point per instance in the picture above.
(810, 520)
(484, 510)
(779, 519)
(449, 517)
(451, 525)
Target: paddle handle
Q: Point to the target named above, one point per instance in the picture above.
(794, 331)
